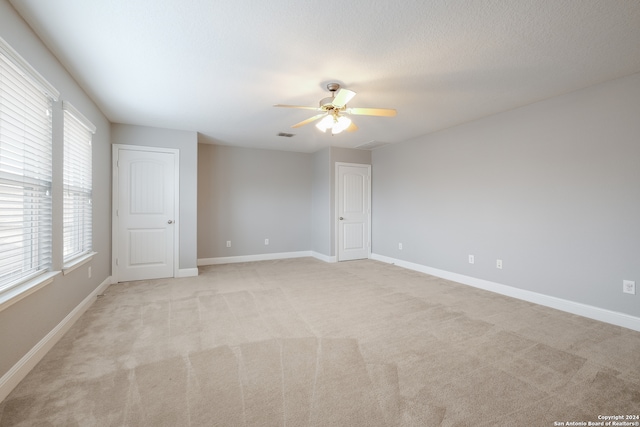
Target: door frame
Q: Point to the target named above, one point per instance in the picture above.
(115, 192)
(336, 214)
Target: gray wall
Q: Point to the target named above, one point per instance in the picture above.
(187, 143)
(552, 189)
(247, 195)
(25, 323)
(321, 214)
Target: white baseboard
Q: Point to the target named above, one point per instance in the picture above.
(20, 370)
(250, 258)
(584, 310)
(323, 257)
(187, 272)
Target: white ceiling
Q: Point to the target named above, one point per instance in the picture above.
(217, 67)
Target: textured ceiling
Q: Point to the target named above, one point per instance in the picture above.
(217, 67)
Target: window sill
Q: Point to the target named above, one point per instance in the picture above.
(25, 289)
(77, 262)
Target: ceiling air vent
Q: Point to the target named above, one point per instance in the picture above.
(371, 145)
(286, 135)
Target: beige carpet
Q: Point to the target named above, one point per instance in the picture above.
(304, 343)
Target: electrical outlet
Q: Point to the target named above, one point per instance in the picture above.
(228, 243)
(89, 272)
(266, 242)
(499, 264)
(629, 287)
(400, 246)
(472, 259)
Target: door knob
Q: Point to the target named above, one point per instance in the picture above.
(341, 218)
(170, 221)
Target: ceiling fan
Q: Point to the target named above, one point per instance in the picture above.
(334, 111)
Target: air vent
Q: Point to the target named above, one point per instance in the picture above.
(286, 135)
(371, 145)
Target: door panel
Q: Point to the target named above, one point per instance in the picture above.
(353, 196)
(146, 247)
(354, 237)
(145, 210)
(147, 187)
(353, 211)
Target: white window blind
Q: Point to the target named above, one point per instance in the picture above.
(25, 170)
(77, 224)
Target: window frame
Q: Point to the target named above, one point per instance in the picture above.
(25, 91)
(77, 179)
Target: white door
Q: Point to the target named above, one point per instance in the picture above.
(145, 213)
(353, 211)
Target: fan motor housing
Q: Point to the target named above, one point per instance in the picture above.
(327, 103)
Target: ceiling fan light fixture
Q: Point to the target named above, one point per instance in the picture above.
(331, 107)
(334, 122)
(325, 123)
(340, 124)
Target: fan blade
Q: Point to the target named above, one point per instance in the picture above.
(309, 120)
(304, 107)
(342, 97)
(352, 127)
(385, 112)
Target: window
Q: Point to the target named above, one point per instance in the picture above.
(77, 227)
(25, 170)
